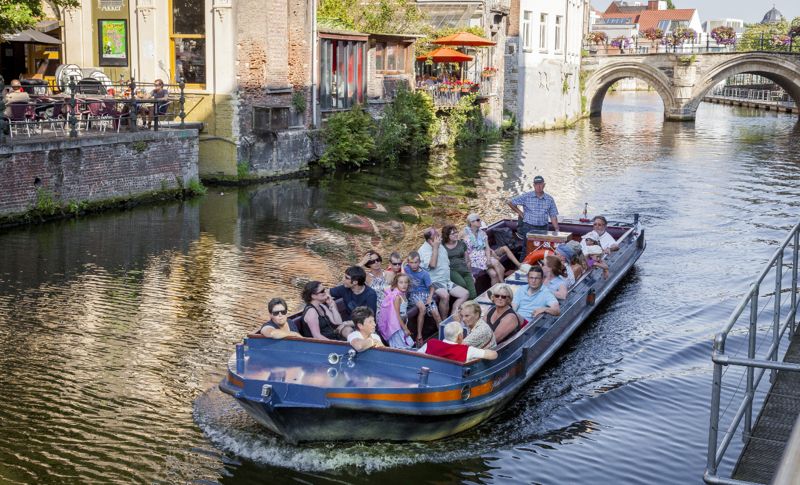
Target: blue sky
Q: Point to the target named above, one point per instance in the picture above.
(749, 11)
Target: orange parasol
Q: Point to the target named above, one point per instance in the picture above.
(443, 54)
(464, 38)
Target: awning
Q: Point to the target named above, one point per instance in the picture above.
(30, 36)
(464, 38)
(443, 54)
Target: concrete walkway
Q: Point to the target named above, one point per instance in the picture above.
(762, 453)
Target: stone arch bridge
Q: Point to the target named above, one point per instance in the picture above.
(683, 80)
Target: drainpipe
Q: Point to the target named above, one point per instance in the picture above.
(313, 4)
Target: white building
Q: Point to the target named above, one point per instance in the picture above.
(736, 24)
(543, 59)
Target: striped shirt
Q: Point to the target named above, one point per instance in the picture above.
(537, 211)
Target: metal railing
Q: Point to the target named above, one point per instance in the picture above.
(640, 46)
(762, 96)
(754, 366)
(76, 113)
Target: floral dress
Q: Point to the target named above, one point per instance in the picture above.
(476, 245)
(378, 284)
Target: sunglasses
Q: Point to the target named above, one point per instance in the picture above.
(373, 261)
(396, 264)
(275, 313)
(476, 220)
(321, 290)
(505, 297)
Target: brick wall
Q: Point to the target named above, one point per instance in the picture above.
(273, 61)
(96, 168)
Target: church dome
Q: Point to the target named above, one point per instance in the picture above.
(773, 16)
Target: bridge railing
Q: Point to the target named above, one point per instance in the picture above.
(637, 46)
(738, 371)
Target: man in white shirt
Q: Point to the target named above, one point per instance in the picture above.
(452, 347)
(599, 234)
(433, 258)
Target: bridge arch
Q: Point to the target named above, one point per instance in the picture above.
(775, 67)
(600, 81)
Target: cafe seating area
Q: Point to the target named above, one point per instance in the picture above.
(68, 114)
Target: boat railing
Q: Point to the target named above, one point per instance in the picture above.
(754, 332)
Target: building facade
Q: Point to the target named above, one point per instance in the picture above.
(542, 63)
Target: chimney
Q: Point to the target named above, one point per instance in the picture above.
(652, 5)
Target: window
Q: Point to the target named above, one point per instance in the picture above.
(664, 25)
(343, 73)
(527, 34)
(188, 42)
(543, 32)
(390, 56)
(380, 50)
(559, 20)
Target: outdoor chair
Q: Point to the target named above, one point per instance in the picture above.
(20, 114)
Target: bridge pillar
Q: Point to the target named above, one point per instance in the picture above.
(684, 78)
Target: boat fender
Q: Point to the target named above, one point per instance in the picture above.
(591, 296)
(466, 392)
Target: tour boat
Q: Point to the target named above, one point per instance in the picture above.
(320, 390)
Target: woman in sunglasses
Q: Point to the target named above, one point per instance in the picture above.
(377, 278)
(502, 318)
(481, 256)
(278, 326)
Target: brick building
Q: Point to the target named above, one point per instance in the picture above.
(249, 68)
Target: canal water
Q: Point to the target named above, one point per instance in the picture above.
(115, 329)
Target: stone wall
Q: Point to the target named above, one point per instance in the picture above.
(95, 168)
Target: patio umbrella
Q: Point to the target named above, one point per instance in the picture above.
(30, 36)
(443, 54)
(464, 39)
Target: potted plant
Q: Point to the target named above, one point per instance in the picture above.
(723, 35)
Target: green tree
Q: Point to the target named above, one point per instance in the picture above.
(16, 15)
(670, 5)
(759, 36)
(371, 16)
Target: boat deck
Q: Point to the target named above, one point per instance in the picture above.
(762, 454)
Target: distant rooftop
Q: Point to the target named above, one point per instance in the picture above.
(773, 16)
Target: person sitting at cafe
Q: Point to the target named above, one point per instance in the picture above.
(321, 316)
(502, 318)
(15, 95)
(278, 326)
(532, 300)
(452, 347)
(364, 336)
(355, 292)
(479, 333)
(158, 93)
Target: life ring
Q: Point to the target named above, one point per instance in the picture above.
(536, 256)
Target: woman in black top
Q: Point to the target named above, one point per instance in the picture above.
(278, 326)
(502, 317)
(321, 317)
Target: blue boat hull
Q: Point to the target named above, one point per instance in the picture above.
(310, 390)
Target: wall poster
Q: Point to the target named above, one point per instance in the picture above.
(113, 42)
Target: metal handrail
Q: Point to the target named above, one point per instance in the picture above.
(716, 451)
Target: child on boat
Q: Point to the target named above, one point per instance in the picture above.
(392, 322)
(420, 293)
